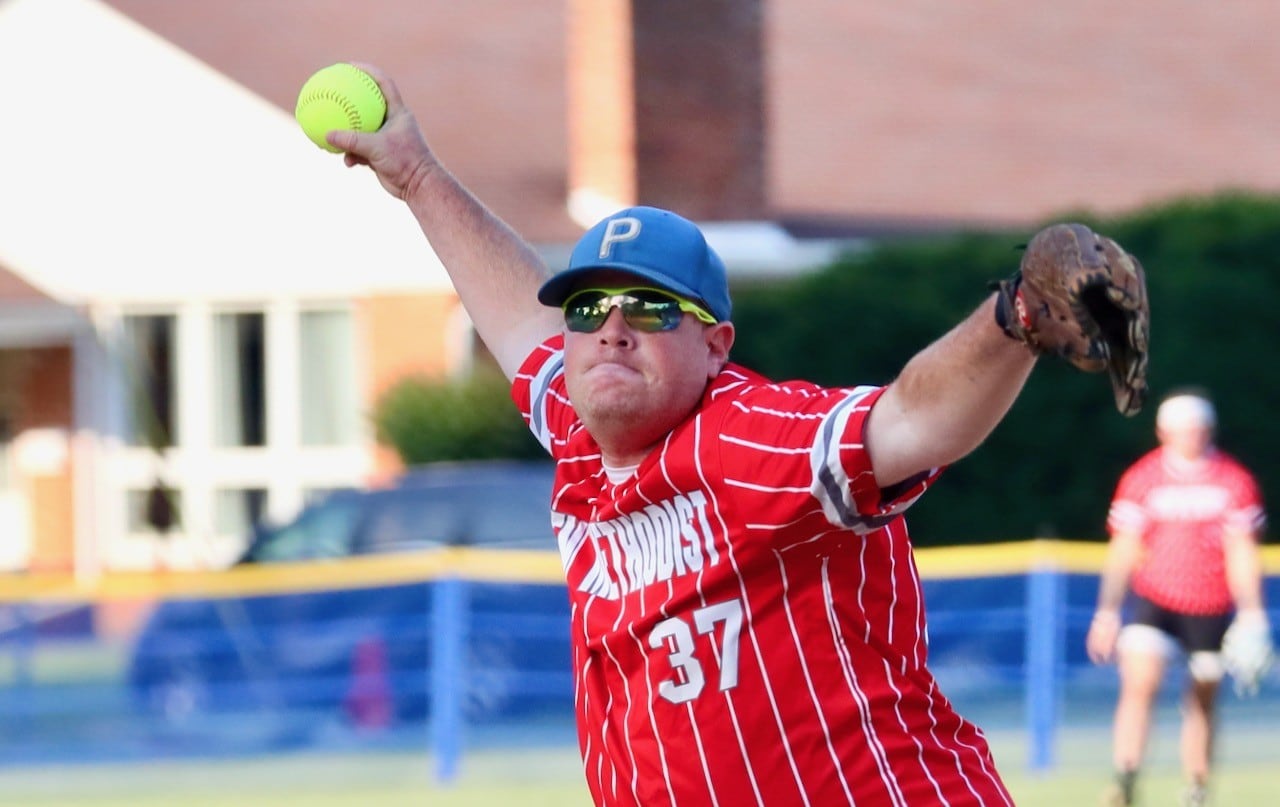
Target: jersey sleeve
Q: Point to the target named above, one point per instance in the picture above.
(791, 445)
(538, 390)
(1247, 513)
(843, 479)
(1127, 513)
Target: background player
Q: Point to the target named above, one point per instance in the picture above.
(747, 620)
(1184, 527)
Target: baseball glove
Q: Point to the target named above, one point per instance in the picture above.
(1080, 296)
(1247, 652)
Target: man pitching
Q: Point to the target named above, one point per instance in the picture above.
(747, 620)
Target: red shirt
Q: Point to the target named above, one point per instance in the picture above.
(1181, 511)
(748, 625)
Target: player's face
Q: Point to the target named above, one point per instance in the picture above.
(631, 386)
(1189, 441)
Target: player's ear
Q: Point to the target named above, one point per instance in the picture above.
(719, 340)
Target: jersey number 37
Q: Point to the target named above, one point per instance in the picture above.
(677, 637)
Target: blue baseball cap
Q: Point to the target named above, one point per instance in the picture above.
(655, 245)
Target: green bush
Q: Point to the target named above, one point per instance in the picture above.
(431, 419)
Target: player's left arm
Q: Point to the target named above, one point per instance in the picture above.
(1247, 648)
(947, 398)
(1244, 569)
(1124, 552)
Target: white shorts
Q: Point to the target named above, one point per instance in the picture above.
(1205, 665)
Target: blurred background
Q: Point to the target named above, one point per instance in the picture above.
(263, 501)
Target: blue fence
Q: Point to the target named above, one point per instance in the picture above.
(446, 662)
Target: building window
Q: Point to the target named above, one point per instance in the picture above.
(157, 509)
(327, 379)
(240, 384)
(237, 510)
(151, 376)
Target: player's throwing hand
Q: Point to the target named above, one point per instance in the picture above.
(397, 151)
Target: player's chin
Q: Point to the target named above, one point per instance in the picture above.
(608, 379)
(610, 398)
(611, 394)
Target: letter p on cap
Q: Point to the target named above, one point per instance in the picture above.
(621, 229)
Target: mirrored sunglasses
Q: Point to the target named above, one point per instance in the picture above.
(644, 309)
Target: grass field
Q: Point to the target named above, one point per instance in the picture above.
(540, 768)
(530, 778)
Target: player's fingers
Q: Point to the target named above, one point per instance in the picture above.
(389, 89)
(341, 140)
(1100, 644)
(359, 146)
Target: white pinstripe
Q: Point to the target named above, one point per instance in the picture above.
(602, 726)
(922, 637)
(862, 583)
(864, 706)
(808, 680)
(979, 756)
(763, 447)
(738, 483)
(960, 768)
(733, 713)
(626, 714)
(897, 711)
(955, 755)
(779, 413)
(893, 568)
(702, 755)
(584, 665)
(702, 600)
(653, 722)
(763, 527)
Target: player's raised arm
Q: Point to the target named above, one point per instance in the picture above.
(947, 399)
(1077, 295)
(495, 272)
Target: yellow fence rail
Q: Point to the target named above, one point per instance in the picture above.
(1017, 557)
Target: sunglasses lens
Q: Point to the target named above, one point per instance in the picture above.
(585, 312)
(651, 312)
(644, 310)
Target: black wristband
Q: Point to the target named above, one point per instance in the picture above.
(1007, 292)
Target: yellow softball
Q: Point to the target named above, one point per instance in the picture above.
(340, 96)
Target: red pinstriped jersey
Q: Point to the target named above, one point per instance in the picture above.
(1181, 511)
(748, 625)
